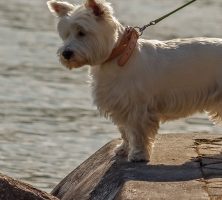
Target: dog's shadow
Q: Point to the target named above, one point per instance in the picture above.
(122, 171)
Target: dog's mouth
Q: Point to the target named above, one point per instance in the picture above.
(72, 63)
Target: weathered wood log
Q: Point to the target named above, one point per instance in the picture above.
(183, 166)
(11, 189)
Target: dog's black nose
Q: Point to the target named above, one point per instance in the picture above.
(67, 54)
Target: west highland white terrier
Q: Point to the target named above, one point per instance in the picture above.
(139, 84)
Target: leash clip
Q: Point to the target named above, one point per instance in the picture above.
(141, 29)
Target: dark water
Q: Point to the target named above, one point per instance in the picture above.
(48, 124)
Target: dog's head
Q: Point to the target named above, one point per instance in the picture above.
(89, 31)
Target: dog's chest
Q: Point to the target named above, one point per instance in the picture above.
(113, 93)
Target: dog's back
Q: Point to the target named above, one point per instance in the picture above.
(185, 62)
(186, 76)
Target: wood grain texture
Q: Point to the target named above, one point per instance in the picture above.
(11, 189)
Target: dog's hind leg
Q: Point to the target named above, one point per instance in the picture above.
(214, 104)
(215, 114)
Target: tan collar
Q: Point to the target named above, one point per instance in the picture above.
(125, 47)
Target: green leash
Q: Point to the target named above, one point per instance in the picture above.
(154, 22)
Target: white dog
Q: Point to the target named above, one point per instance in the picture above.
(160, 81)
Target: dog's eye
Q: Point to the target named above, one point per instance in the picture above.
(81, 34)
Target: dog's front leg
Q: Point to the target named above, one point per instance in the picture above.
(122, 149)
(141, 139)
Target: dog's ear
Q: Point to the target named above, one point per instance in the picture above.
(95, 6)
(60, 8)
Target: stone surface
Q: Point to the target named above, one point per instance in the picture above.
(11, 189)
(183, 166)
(210, 153)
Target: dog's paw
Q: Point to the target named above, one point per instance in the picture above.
(138, 156)
(121, 150)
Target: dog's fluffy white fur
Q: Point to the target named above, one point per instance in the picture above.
(163, 80)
